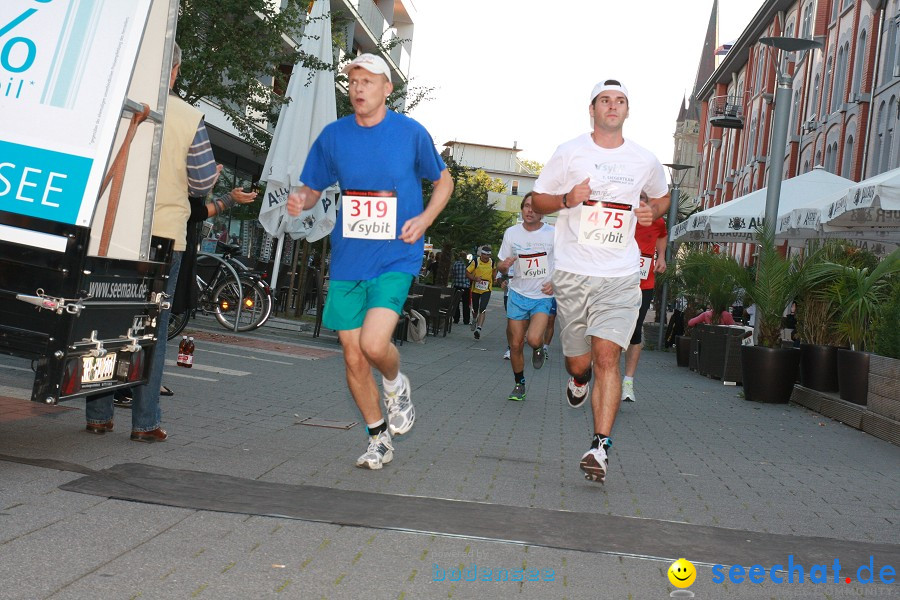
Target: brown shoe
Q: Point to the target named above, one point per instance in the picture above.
(157, 435)
(99, 428)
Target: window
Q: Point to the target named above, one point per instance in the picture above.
(888, 144)
(795, 110)
(760, 63)
(807, 22)
(828, 160)
(814, 104)
(890, 51)
(515, 187)
(837, 94)
(819, 157)
(834, 10)
(826, 105)
(879, 136)
(859, 63)
(751, 140)
(848, 158)
(806, 166)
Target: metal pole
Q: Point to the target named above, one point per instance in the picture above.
(776, 155)
(661, 309)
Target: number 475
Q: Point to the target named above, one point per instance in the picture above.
(597, 216)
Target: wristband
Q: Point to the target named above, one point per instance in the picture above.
(227, 201)
(564, 200)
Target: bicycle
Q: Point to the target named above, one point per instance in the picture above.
(237, 296)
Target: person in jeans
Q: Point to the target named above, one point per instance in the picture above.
(186, 168)
(461, 285)
(379, 158)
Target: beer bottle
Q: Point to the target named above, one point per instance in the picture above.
(181, 351)
(189, 353)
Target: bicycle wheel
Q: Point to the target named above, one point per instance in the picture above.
(177, 323)
(268, 305)
(253, 304)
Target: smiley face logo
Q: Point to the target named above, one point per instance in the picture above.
(682, 573)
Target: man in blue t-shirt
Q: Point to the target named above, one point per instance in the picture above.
(379, 158)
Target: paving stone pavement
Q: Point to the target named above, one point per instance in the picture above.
(689, 450)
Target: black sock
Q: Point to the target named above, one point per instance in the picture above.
(374, 431)
(582, 379)
(519, 377)
(601, 438)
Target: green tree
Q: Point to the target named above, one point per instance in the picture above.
(532, 165)
(228, 51)
(469, 218)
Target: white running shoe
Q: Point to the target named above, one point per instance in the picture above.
(506, 354)
(379, 453)
(594, 463)
(576, 394)
(628, 391)
(401, 413)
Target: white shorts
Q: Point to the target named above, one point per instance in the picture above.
(601, 307)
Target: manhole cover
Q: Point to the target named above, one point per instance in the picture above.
(317, 422)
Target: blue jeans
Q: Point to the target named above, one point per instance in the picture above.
(145, 412)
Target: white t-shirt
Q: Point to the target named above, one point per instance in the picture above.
(534, 265)
(618, 177)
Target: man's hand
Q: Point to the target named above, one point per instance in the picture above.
(302, 199)
(660, 264)
(579, 193)
(242, 197)
(547, 288)
(506, 263)
(644, 214)
(414, 228)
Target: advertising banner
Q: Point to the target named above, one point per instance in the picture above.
(65, 66)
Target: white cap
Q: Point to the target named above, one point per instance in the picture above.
(369, 62)
(608, 84)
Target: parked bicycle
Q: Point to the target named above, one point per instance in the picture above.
(230, 291)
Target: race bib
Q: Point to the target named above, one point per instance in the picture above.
(646, 263)
(605, 224)
(532, 266)
(482, 286)
(369, 214)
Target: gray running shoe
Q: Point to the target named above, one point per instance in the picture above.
(379, 453)
(400, 409)
(537, 358)
(518, 393)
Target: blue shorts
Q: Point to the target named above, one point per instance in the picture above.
(520, 308)
(553, 308)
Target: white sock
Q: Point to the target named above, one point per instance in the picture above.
(391, 385)
(628, 379)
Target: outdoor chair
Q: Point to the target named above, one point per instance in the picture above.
(439, 313)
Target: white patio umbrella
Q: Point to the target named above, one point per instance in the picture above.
(311, 108)
(872, 203)
(738, 219)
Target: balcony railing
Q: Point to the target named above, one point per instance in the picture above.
(726, 111)
(372, 16)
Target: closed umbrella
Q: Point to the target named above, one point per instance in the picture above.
(310, 108)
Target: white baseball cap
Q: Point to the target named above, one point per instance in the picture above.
(369, 62)
(608, 84)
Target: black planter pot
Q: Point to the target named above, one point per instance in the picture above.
(683, 350)
(818, 367)
(853, 375)
(769, 373)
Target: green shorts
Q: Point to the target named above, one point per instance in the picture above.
(348, 301)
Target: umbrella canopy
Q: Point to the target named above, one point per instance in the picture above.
(738, 219)
(310, 108)
(871, 203)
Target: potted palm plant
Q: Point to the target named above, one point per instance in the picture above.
(860, 294)
(769, 370)
(816, 317)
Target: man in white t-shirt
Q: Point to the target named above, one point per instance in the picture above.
(595, 181)
(527, 253)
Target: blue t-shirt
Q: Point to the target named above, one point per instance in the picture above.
(397, 154)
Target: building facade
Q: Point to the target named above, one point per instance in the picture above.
(844, 98)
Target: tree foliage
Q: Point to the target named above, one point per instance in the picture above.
(469, 219)
(228, 51)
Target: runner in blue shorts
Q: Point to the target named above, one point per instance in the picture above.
(377, 242)
(527, 254)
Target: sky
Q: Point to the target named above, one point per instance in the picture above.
(521, 71)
